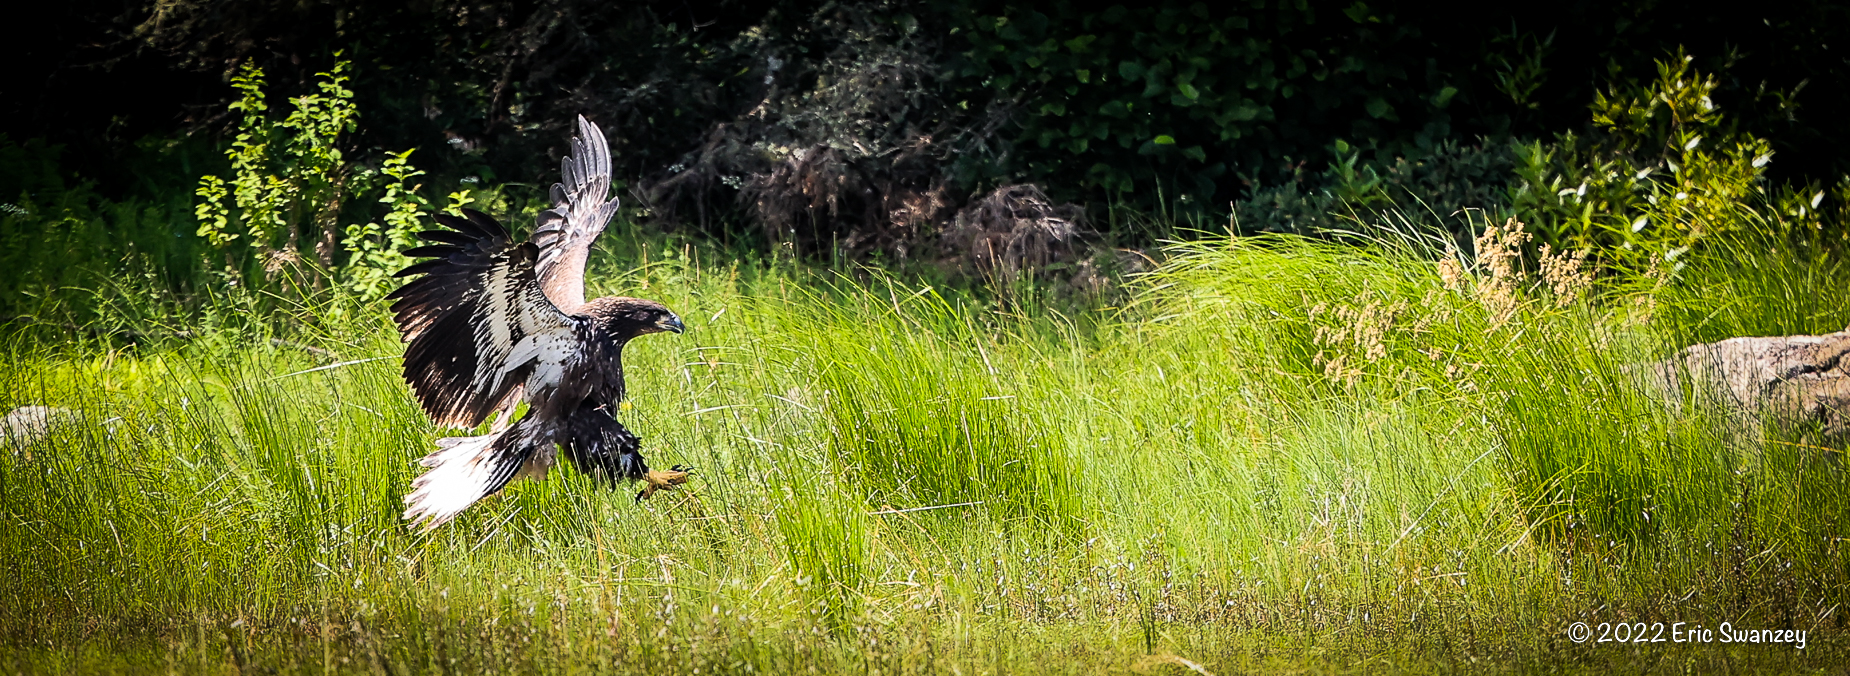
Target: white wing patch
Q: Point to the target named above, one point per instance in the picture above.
(494, 321)
(548, 352)
(516, 326)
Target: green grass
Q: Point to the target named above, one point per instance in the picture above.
(1186, 476)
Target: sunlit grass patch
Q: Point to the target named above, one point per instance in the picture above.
(1281, 443)
(916, 424)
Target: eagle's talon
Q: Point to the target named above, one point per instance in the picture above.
(659, 480)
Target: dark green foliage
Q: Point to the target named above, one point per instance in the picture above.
(845, 147)
(497, 83)
(1182, 107)
(1196, 101)
(1434, 190)
(872, 130)
(60, 239)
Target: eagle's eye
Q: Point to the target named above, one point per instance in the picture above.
(662, 320)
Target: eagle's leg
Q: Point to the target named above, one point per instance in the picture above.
(663, 479)
(599, 446)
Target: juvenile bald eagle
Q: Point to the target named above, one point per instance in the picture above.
(489, 323)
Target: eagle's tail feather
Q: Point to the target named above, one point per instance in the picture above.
(464, 470)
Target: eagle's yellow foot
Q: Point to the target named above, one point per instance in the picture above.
(659, 480)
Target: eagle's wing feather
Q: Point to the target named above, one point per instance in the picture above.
(447, 237)
(477, 327)
(579, 213)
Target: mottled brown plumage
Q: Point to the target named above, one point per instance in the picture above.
(489, 323)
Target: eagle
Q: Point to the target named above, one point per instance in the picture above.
(490, 323)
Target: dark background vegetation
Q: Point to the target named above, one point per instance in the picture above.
(874, 129)
(505, 77)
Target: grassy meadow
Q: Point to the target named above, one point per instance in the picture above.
(1277, 454)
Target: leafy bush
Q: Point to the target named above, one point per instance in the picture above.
(1663, 170)
(375, 250)
(290, 177)
(1434, 190)
(287, 174)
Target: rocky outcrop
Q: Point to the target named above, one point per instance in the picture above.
(1801, 383)
(26, 425)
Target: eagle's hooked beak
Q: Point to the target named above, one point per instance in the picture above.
(671, 323)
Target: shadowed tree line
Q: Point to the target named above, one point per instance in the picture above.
(877, 128)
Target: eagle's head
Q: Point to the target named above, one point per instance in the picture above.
(626, 318)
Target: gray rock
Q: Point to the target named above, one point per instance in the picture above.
(26, 425)
(1801, 383)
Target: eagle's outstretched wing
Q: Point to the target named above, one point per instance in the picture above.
(579, 212)
(476, 325)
